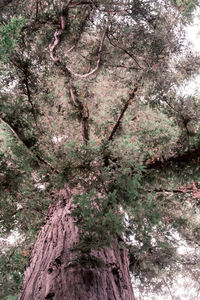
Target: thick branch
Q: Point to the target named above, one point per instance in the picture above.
(59, 32)
(15, 133)
(126, 105)
(178, 159)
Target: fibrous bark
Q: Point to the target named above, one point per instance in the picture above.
(53, 273)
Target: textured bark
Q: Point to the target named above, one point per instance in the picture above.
(52, 273)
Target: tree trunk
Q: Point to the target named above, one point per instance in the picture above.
(52, 273)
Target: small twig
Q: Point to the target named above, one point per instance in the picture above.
(167, 285)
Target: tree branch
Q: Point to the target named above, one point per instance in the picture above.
(183, 190)
(125, 51)
(28, 93)
(74, 4)
(58, 33)
(97, 63)
(26, 82)
(126, 105)
(15, 133)
(182, 158)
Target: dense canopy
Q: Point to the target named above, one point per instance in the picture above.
(92, 100)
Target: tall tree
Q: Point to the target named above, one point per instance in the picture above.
(95, 139)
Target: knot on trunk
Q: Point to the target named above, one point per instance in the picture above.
(50, 295)
(88, 277)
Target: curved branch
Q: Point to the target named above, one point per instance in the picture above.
(97, 63)
(59, 32)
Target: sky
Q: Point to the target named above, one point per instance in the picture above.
(193, 33)
(193, 36)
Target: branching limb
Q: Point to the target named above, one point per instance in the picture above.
(124, 50)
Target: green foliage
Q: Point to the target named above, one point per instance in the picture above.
(88, 260)
(12, 297)
(98, 219)
(12, 266)
(188, 6)
(9, 36)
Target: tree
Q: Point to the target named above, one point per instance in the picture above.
(95, 139)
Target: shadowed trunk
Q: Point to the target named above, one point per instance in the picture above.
(52, 273)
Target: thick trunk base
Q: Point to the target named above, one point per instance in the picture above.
(52, 273)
